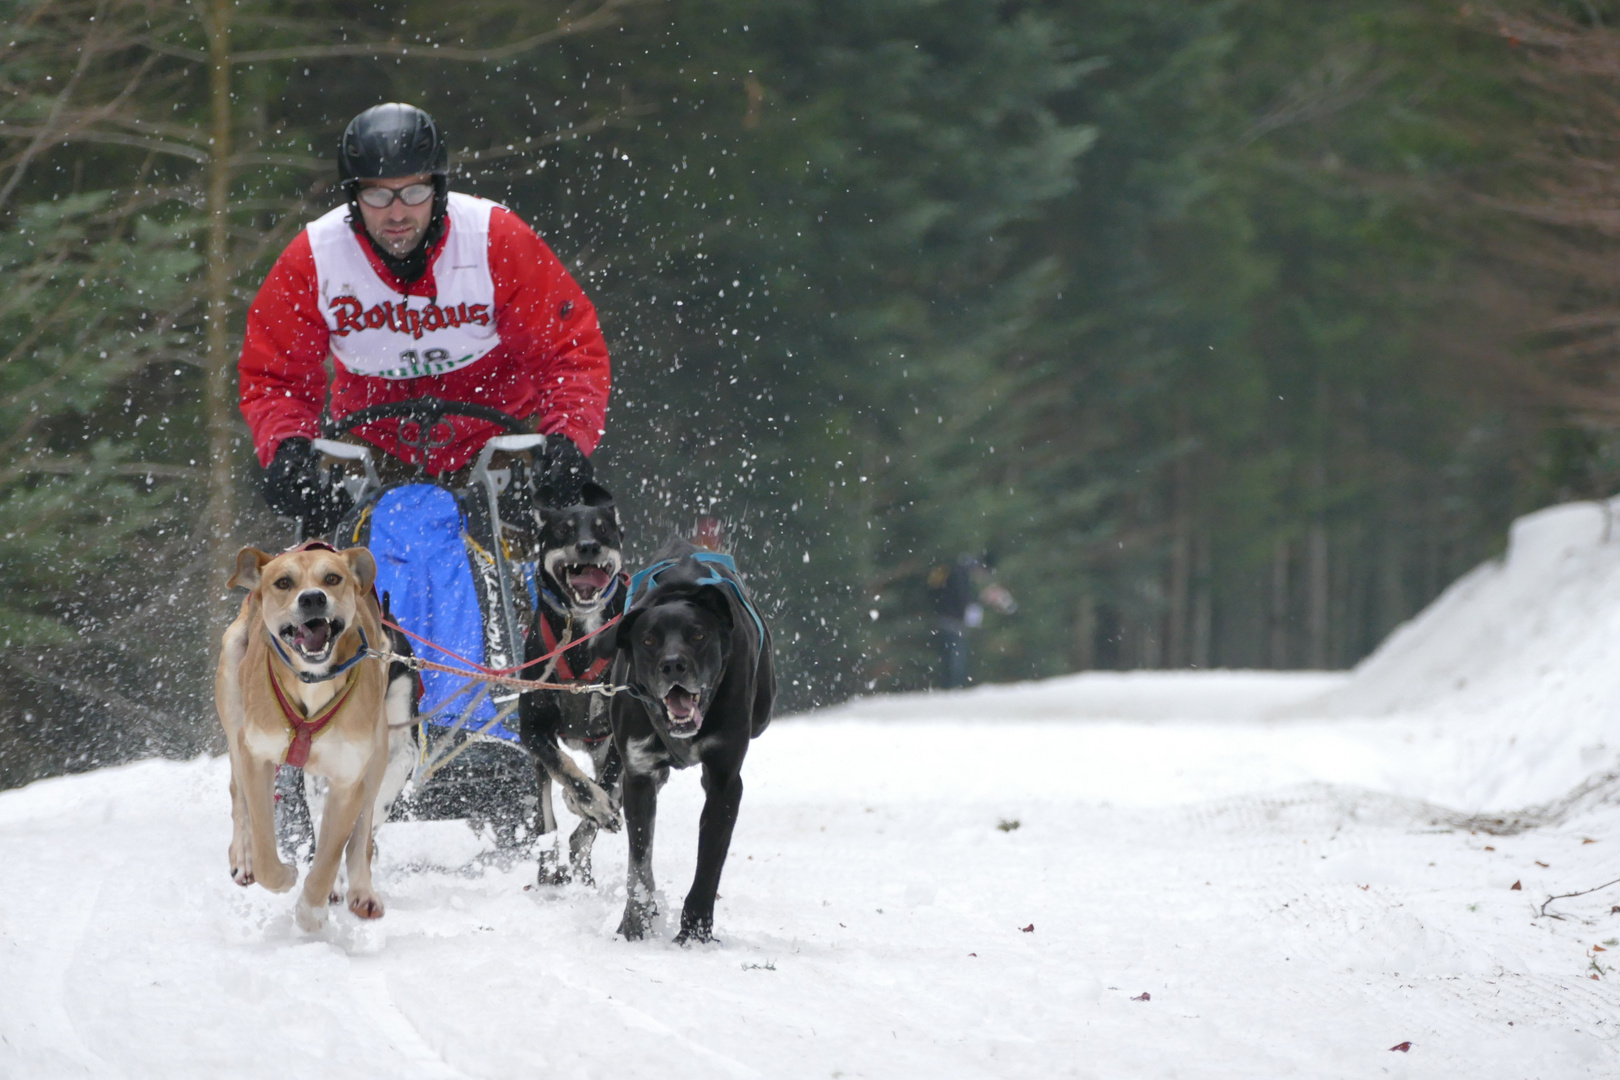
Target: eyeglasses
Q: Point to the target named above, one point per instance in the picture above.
(381, 198)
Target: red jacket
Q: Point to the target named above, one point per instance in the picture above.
(551, 362)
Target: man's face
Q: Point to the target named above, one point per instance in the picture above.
(397, 228)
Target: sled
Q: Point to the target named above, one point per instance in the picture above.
(456, 561)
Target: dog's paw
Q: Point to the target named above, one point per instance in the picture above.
(552, 871)
(309, 917)
(241, 856)
(589, 801)
(365, 904)
(638, 917)
(580, 845)
(278, 877)
(696, 930)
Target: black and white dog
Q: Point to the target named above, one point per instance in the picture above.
(580, 589)
(697, 658)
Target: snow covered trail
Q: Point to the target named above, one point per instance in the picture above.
(1282, 917)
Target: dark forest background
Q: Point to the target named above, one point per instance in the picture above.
(1233, 329)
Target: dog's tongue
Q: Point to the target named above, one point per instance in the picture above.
(312, 636)
(681, 703)
(587, 581)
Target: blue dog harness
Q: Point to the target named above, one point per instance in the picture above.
(644, 580)
(561, 606)
(310, 676)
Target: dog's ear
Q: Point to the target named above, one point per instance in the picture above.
(595, 495)
(362, 565)
(715, 601)
(624, 635)
(249, 561)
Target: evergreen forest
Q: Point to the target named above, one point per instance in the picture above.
(1230, 331)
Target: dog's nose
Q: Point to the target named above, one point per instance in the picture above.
(311, 598)
(672, 667)
(589, 549)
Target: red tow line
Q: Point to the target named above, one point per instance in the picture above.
(505, 670)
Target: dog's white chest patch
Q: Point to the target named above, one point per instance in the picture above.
(266, 745)
(316, 696)
(645, 755)
(339, 760)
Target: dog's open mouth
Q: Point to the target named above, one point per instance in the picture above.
(586, 581)
(313, 640)
(681, 706)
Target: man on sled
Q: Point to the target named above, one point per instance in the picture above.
(417, 294)
(415, 291)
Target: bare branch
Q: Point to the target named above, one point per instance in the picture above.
(71, 466)
(24, 429)
(1566, 896)
(309, 164)
(1340, 81)
(182, 132)
(594, 124)
(43, 139)
(162, 48)
(604, 15)
(114, 138)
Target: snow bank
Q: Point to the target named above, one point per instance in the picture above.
(1539, 626)
(1510, 678)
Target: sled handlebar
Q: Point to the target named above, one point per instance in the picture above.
(427, 412)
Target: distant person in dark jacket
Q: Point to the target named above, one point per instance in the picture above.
(961, 591)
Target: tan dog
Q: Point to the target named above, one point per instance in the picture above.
(293, 688)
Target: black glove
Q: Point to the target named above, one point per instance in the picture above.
(563, 471)
(294, 486)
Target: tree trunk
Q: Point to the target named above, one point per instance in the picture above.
(1085, 633)
(1203, 609)
(1317, 594)
(219, 403)
(1279, 604)
(1392, 604)
(1177, 652)
(1150, 638)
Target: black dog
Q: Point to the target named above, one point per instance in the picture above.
(697, 658)
(580, 590)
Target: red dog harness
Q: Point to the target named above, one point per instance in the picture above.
(304, 729)
(565, 672)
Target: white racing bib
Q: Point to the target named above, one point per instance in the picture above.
(378, 332)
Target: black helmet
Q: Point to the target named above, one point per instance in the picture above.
(391, 140)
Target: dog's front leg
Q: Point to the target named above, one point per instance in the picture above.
(399, 705)
(722, 789)
(585, 797)
(540, 723)
(228, 702)
(257, 784)
(537, 731)
(605, 759)
(344, 803)
(551, 870)
(363, 900)
(241, 852)
(640, 813)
